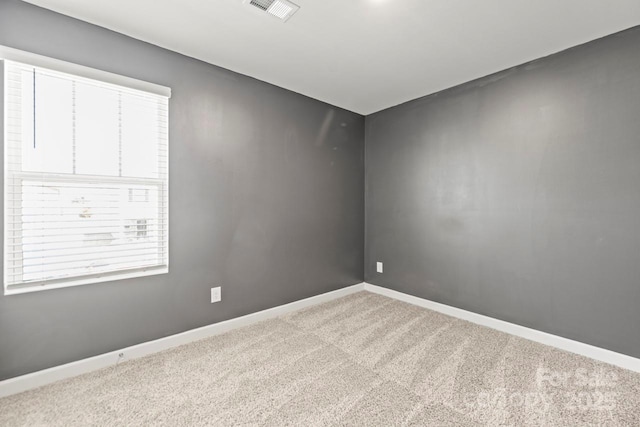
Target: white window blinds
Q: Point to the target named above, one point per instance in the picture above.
(86, 180)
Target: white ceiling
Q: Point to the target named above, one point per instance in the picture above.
(362, 55)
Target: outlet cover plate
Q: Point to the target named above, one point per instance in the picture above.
(216, 294)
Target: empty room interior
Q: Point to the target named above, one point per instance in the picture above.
(320, 213)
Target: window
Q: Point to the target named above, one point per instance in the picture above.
(86, 180)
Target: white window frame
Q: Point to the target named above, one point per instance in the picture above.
(14, 55)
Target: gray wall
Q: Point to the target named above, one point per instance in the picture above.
(266, 199)
(518, 195)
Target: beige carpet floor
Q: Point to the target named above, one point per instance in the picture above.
(362, 360)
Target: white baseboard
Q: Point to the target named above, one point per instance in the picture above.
(597, 353)
(69, 370)
(47, 376)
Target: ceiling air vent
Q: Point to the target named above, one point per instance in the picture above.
(281, 9)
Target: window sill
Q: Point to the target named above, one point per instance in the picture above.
(28, 288)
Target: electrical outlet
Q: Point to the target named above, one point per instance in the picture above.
(379, 267)
(216, 294)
